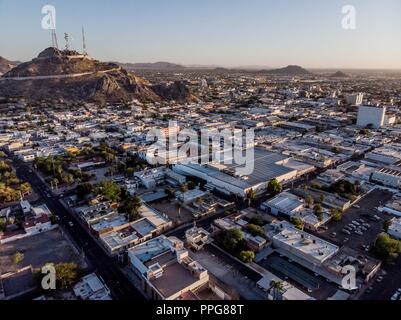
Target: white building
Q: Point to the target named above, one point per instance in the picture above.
(91, 287)
(389, 176)
(355, 99)
(293, 242)
(284, 204)
(371, 115)
(166, 269)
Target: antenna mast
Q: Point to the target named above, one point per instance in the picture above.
(67, 41)
(54, 35)
(83, 42)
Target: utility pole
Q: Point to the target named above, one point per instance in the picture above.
(83, 42)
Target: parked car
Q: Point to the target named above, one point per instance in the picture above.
(346, 231)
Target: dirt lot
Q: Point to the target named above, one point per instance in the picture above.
(38, 250)
(172, 211)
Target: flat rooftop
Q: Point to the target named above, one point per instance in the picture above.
(308, 244)
(285, 201)
(175, 279)
(150, 249)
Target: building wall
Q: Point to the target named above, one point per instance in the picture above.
(371, 115)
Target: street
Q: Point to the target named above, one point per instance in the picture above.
(106, 267)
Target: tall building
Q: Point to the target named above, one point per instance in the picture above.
(371, 116)
(355, 99)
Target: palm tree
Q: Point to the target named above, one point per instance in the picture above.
(277, 287)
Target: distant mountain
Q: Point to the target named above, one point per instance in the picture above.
(69, 76)
(339, 74)
(6, 65)
(288, 71)
(151, 66)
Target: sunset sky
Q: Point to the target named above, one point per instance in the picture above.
(269, 33)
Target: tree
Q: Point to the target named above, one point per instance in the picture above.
(251, 195)
(386, 247)
(184, 188)
(309, 201)
(191, 185)
(67, 274)
(131, 207)
(25, 189)
(255, 230)
(2, 225)
(17, 258)
(258, 221)
(83, 190)
(298, 223)
(277, 287)
(109, 190)
(318, 210)
(336, 214)
(170, 193)
(232, 241)
(387, 224)
(247, 256)
(274, 187)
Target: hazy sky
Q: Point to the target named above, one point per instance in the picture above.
(218, 32)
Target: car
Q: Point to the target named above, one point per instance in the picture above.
(361, 221)
(399, 290)
(359, 233)
(346, 240)
(364, 229)
(367, 225)
(396, 296)
(380, 279)
(377, 217)
(346, 232)
(356, 206)
(71, 224)
(334, 234)
(356, 223)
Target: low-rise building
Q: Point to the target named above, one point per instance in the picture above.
(91, 287)
(394, 229)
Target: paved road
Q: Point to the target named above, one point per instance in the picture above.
(106, 267)
(59, 76)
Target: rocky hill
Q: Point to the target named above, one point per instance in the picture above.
(69, 76)
(288, 71)
(339, 74)
(6, 65)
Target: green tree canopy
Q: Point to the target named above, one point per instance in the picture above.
(247, 256)
(255, 230)
(110, 191)
(386, 247)
(274, 187)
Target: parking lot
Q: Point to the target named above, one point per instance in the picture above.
(358, 228)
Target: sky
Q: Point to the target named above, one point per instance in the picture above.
(229, 33)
